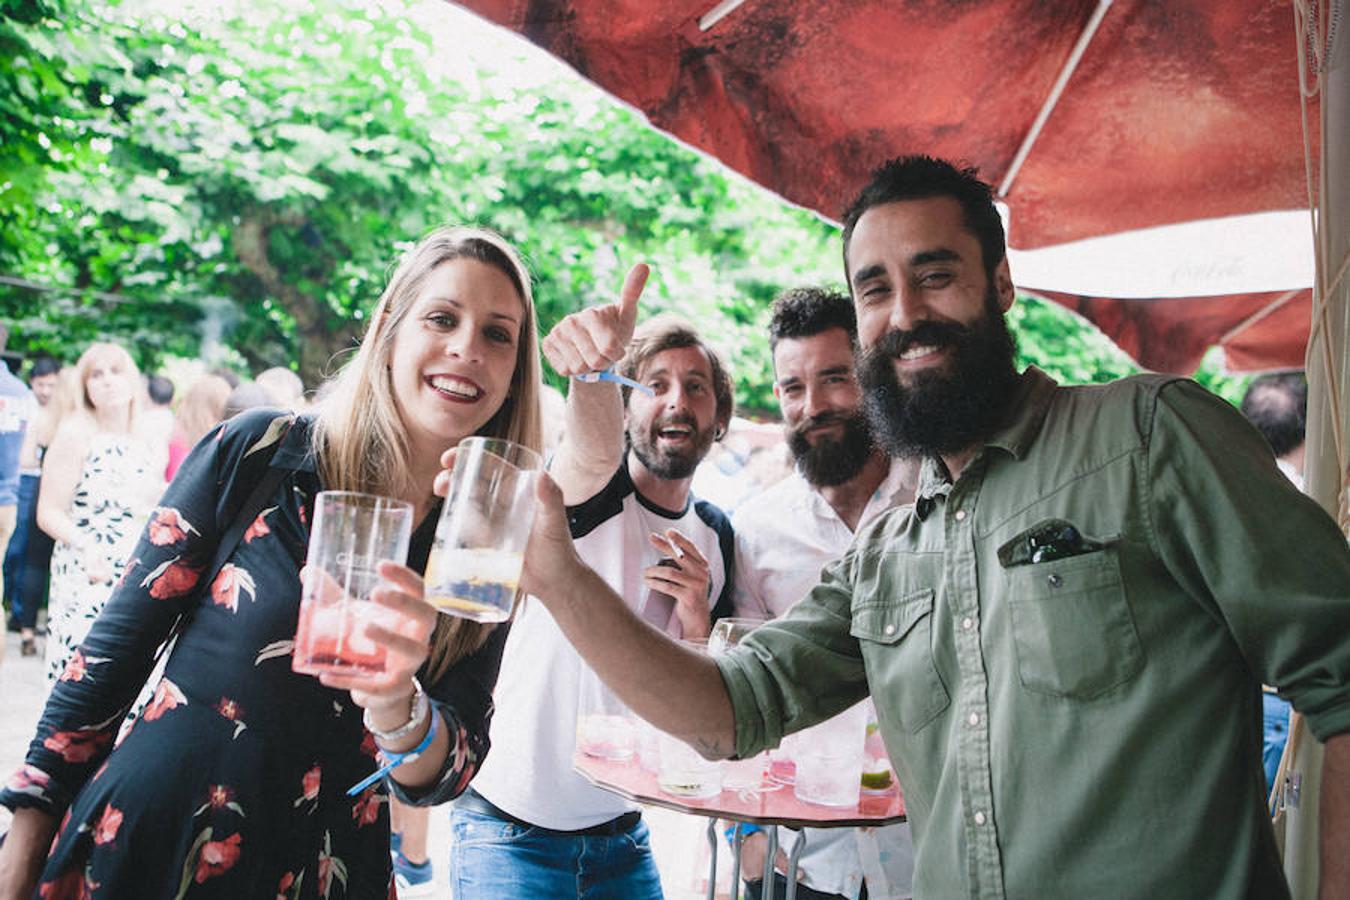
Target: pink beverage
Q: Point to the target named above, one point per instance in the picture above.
(782, 769)
(607, 736)
(332, 638)
(351, 535)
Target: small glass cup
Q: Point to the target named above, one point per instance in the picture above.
(352, 533)
(829, 759)
(474, 568)
(738, 774)
(728, 633)
(606, 727)
(682, 771)
(878, 776)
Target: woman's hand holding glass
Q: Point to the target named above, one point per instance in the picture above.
(387, 694)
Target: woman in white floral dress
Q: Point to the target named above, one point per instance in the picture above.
(100, 479)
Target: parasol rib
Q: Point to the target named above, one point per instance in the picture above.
(718, 13)
(1052, 100)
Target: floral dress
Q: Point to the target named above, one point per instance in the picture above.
(107, 510)
(232, 782)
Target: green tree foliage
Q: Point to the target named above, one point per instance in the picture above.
(245, 179)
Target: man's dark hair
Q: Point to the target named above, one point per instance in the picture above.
(806, 312)
(160, 390)
(1278, 406)
(43, 366)
(921, 177)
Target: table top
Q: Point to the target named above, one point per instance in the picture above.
(771, 804)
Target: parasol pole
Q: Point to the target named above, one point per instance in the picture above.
(1322, 37)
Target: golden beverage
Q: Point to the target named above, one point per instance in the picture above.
(477, 584)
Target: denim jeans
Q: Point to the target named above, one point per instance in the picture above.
(16, 554)
(1275, 712)
(491, 859)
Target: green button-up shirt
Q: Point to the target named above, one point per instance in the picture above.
(1090, 726)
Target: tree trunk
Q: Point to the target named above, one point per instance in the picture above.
(318, 336)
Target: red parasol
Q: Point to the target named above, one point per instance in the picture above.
(1092, 117)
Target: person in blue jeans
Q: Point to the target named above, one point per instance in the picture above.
(1277, 404)
(530, 826)
(17, 408)
(24, 590)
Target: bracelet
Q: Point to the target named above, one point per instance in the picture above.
(394, 760)
(418, 709)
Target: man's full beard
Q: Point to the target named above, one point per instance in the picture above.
(951, 407)
(831, 460)
(671, 465)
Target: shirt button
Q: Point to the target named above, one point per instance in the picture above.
(890, 629)
(960, 515)
(979, 818)
(967, 623)
(973, 718)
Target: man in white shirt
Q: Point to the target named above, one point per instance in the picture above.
(530, 826)
(787, 534)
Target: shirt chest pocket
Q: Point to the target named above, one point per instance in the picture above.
(1072, 626)
(896, 637)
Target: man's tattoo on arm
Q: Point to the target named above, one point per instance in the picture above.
(712, 748)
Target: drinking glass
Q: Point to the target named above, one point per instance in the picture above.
(738, 774)
(606, 727)
(352, 533)
(476, 557)
(829, 759)
(878, 776)
(682, 771)
(728, 633)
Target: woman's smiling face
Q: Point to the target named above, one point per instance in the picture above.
(455, 352)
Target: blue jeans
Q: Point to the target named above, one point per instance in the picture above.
(1275, 713)
(492, 859)
(16, 554)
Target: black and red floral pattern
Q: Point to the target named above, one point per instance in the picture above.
(231, 783)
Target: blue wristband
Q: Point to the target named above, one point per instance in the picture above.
(611, 375)
(747, 829)
(394, 760)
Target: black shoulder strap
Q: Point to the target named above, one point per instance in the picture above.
(254, 504)
(256, 501)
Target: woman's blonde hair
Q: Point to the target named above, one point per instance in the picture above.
(100, 353)
(359, 439)
(202, 406)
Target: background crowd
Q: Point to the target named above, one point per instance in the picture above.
(86, 450)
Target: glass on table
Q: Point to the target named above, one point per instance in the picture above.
(474, 567)
(878, 776)
(682, 770)
(352, 533)
(829, 759)
(606, 727)
(738, 774)
(728, 632)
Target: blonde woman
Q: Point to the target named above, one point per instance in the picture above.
(232, 783)
(100, 477)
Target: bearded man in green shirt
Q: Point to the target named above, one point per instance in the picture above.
(1066, 637)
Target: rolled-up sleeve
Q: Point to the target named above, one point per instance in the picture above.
(798, 670)
(1266, 560)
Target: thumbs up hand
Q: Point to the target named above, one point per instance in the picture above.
(595, 339)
